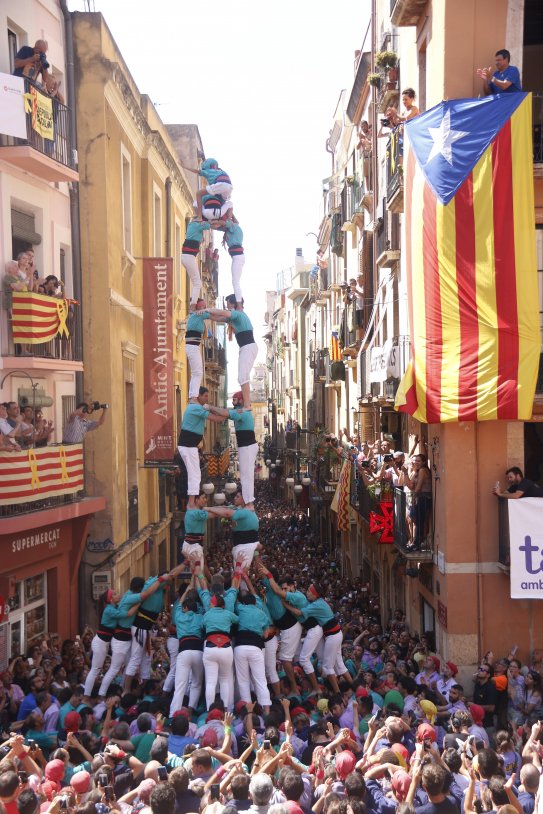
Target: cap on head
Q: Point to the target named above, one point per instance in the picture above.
(238, 396)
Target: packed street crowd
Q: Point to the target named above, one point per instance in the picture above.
(385, 727)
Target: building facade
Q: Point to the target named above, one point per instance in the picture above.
(136, 198)
(457, 587)
(45, 513)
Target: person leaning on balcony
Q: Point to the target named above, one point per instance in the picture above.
(79, 423)
(8, 434)
(16, 278)
(519, 486)
(506, 77)
(421, 487)
(31, 62)
(408, 100)
(52, 287)
(52, 86)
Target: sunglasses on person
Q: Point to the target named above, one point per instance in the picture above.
(484, 669)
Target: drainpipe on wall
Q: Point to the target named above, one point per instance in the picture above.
(74, 193)
(168, 186)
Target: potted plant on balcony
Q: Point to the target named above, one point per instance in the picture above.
(374, 79)
(387, 61)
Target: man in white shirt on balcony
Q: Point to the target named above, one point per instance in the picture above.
(9, 433)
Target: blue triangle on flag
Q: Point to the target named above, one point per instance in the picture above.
(449, 139)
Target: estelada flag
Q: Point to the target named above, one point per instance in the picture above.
(334, 349)
(471, 261)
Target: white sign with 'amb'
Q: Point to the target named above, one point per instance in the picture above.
(526, 543)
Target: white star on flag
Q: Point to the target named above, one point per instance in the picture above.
(444, 138)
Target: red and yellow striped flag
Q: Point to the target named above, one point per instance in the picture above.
(471, 262)
(341, 500)
(37, 318)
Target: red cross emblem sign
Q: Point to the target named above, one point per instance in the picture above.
(383, 523)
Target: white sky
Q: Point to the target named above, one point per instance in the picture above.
(261, 81)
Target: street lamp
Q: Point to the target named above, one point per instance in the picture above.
(278, 462)
(306, 480)
(208, 488)
(298, 488)
(219, 497)
(289, 481)
(268, 461)
(230, 487)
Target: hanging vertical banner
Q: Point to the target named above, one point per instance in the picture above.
(158, 391)
(471, 262)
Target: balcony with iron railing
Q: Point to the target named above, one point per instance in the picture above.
(394, 170)
(40, 478)
(504, 550)
(48, 150)
(42, 329)
(380, 499)
(215, 354)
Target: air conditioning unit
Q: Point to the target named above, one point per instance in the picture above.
(27, 398)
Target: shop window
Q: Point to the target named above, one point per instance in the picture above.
(28, 613)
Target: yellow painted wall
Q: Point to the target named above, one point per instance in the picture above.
(112, 116)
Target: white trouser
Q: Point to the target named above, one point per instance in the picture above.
(189, 666)
(193, 551)
(244, 554)
(312, 638)
(247, 459)
(172, 645)
(220, 188)
(140, 659)
(218, 665)
(191, 459)
(191, 267)
(194, 356)
(270, 659)
(246, 360)
(331, 657)
(238, 261)
(99, 649)
(215, 214)
(120, 652)
(249, 661)
(289, 641)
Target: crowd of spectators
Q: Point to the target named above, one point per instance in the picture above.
(23, 427)
(404, 736)
(380, 467)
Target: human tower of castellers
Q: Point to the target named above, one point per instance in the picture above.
(234, 640)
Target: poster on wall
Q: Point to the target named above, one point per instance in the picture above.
(12, 107)
(526, 542)
(158, 391)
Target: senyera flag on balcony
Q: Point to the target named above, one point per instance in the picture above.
(471, 263)
(37, 318)
(44, 472)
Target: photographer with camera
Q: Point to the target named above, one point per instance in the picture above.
(31, 62)
(79, 423)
